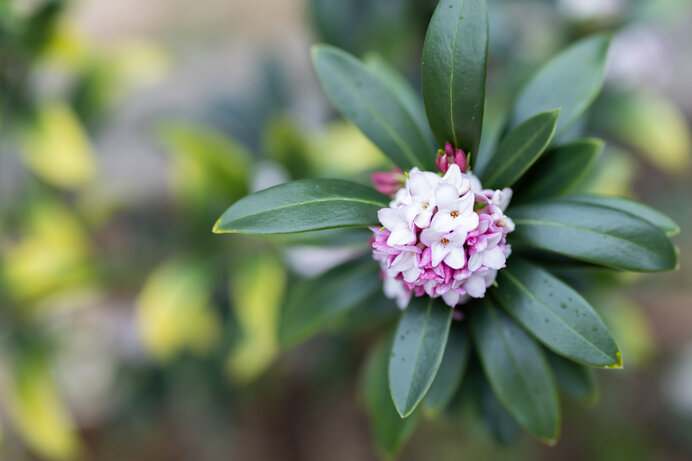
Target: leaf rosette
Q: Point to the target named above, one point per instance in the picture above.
(452, 244)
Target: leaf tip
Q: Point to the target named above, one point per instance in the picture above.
(618, 362)
(217, 227)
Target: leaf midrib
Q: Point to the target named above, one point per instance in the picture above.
(331, 199)
(574, 226)
(524, 381)
(520, 151)
(388, 128)
(451, 76)
(523, 288)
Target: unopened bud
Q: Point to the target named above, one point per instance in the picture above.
(449, 156)
(389, 182)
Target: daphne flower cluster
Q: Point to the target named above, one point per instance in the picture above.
(442, 236)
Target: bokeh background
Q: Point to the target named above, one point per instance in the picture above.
(129, 331)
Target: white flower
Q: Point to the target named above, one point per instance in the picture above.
(492, 258)
(454, 213)
(456, 178)
(422, 205)
(406, 263)
(394, 219)
(445, 246)
(476, 284)
(502, 197)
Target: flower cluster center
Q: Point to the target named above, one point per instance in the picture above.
(442, 236)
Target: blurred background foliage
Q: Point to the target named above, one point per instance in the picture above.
(129, 331)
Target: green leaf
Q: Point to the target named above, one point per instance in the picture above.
(570, 81)
(453, 72)
(390, 432)
(451, 371)
(576, 381)
(417, 352)
(644, 212)
(519, 150)
(501, 425)
(319, 302)
(257, 308)
(517, 371)
(559, 169)
(305, 205)
(593, 233)
(207, 165)
(403, 91)
(493, 123)
(366, 100)
(555, 314)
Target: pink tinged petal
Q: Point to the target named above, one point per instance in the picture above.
(451, 298)
(439, 252)
(456, 258)
(494, 239)
(475, 262)
(401, 236)
(475, 286)
(426, 257)
(494, 258)
(412, 274)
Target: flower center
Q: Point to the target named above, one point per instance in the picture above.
(444, 241)
(425, 205)
(454, 214)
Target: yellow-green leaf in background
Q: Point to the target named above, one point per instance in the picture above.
(257, 289)
(343, 151)
(651, 124)
(51, 256)
(56, 147)
(207, 165)
(174, 310)
(613, 174)
(37, 411)
(630, 327)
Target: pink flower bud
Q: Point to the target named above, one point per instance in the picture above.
(449, 156)
(389, 182)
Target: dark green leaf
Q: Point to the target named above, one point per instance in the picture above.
(451, 371)
(570, 81)
(367, 101)
(556, 314)
(305, 205)
(559, 169)
(497, 420)
(453, 72)
(593, 233)
(519, 150)
(403, 90)
(317, 303)
(576, 381)
(517, 371)
(390, 432)
(644, 212)
(493, 122)
(417, 351)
